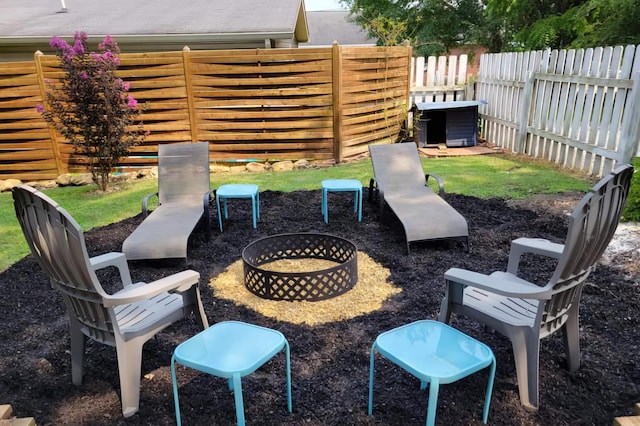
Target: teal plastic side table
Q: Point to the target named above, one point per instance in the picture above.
(342, 185)
(238, 190)
(231, 350)
(436, 354)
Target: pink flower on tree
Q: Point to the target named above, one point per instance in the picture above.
(107, 44)
(78, 47)
(90, 105)
(58, 44)
(131, 102)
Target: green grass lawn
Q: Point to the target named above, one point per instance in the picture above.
(484, 176)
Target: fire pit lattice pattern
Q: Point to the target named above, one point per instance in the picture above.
(307, 285)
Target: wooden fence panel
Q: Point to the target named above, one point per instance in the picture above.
(157, 81)
(264, 104)
(373, 98)
(25, 141)
(253, 104)
(577, 108)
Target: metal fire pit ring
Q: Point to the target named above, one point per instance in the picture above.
(306, 285)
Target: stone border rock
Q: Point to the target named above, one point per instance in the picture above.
(77, 179)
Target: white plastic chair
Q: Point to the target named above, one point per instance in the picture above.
(125, 319)
(526, 312)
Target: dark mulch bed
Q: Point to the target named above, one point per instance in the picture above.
(329, 362)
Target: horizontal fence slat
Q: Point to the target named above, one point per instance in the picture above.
(250, 103)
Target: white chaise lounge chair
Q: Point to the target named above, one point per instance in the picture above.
(183, 200)
(400, 181)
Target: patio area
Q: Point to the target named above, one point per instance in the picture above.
(330, 360)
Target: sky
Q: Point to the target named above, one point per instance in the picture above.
(312, 5)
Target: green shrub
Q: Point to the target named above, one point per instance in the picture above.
(631, 212)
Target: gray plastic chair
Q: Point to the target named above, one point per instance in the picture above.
(183, 200)
(126, 319)
(400, 181)
(525, 312)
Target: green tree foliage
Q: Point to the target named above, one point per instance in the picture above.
(432, 26)
(91, 107)
(437, 26)
(542, 24)
(610, 23)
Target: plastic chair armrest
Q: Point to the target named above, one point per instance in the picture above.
(113, 259)
(538, 246)
(181, 281)
(438, 179)
(145, 203)
(499, 285)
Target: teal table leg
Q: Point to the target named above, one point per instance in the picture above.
(433, 402)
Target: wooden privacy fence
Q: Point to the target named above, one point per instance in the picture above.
(250, 105)
(577, 108)
(439, 79)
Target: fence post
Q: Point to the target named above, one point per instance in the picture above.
(52, 132)
(630, 134)
(407, 44)
(336, 58)
(186, 69)
(527, 98)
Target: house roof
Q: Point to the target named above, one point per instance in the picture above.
(327, 26)
(149, 20)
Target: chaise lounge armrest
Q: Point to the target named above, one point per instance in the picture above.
(438, 179)
(145, 204)
(181, 281)
(206, 202)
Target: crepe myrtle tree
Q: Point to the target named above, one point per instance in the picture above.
(91, 107)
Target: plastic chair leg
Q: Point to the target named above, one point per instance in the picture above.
(526, 352)
(78, 340)
(130, 369)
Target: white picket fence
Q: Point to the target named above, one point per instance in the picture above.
(438, 78)
(577, 108)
